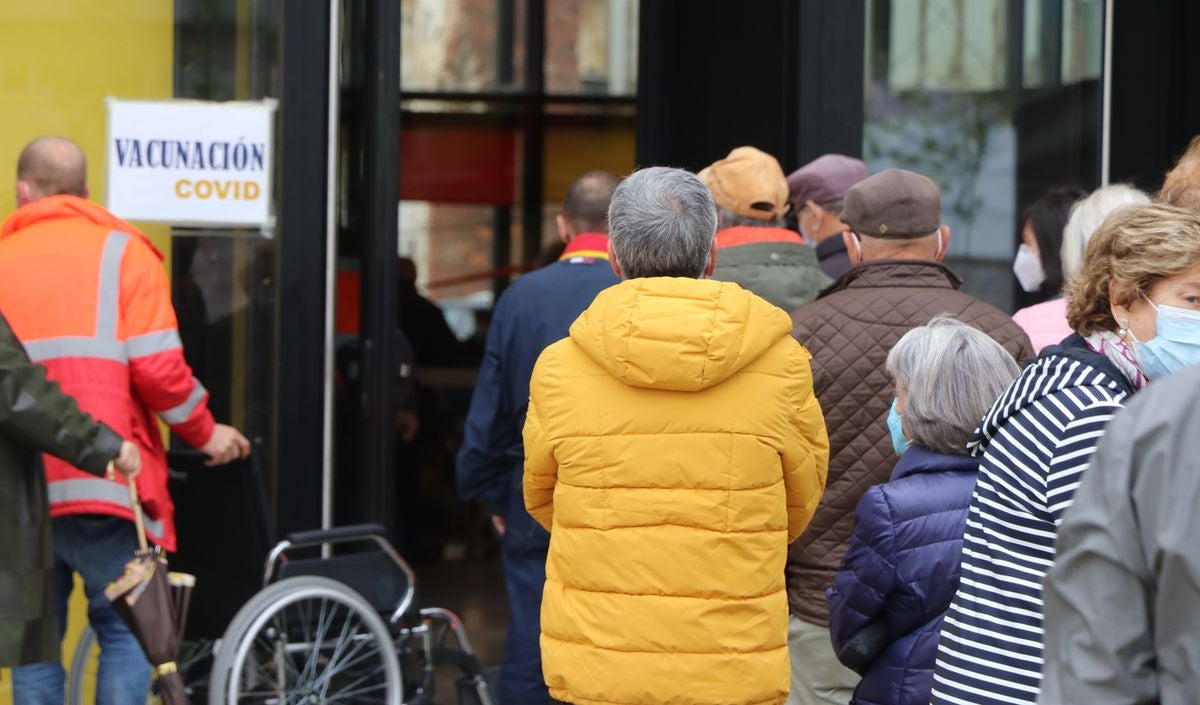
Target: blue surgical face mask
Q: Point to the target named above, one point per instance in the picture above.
(1175, 345)
(894, 421)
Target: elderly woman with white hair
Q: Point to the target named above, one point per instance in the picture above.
(1046, 323)
(901, 571)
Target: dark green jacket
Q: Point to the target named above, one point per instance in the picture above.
(785, 273)
(35, 417)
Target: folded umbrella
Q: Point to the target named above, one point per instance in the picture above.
(153, 604)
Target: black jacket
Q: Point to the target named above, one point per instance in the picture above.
(35, 418)
(832, 254)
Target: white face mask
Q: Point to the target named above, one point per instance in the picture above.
(1028, 268)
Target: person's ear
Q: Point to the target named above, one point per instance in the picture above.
(612, 261)
(853, 248)
(1120, 312)
(818, 212)
(23, 196)
(712, 260)
(564, 231)
(944, 234)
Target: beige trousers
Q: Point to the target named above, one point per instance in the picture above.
(818, 678)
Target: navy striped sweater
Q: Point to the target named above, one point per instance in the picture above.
(1033, 445)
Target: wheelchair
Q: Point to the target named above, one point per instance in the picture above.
(341, 629)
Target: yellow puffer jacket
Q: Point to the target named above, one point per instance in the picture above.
(674, 448)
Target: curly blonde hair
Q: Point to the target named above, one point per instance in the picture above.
(1181, 186)
(1134, 248)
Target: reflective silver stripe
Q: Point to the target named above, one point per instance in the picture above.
(67, 346)
(105, 345)
(108, 294)
(184, 411)
(97, 490)
(153, 343)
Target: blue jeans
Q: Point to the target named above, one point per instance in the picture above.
(97, 547)
(521, 679)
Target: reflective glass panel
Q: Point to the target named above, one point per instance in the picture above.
(944, 96)
(591, 47)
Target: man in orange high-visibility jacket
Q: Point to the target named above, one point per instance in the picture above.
(87, 295)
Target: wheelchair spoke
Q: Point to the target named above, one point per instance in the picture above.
(344, 639)
(354, 688)
(315, 650)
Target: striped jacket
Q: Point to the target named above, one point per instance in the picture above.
(1034, 445)
(87, 295)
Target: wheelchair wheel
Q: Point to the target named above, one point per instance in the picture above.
(306, 639)
(195, 661)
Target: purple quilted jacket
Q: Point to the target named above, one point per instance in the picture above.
(899, 576)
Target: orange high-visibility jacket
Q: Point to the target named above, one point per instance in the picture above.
(88, 296)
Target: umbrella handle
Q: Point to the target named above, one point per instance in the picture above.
(137, 514)
(135, 504)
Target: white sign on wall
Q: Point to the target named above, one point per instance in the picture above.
(189, 162)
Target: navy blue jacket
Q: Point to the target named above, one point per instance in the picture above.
(537, 310)
(900, 574)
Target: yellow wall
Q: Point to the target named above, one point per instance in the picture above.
(59, 60)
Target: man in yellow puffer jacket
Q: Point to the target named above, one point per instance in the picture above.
(674, 449)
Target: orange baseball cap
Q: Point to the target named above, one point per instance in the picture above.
(748, 182)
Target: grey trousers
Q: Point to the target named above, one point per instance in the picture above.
(818, 678)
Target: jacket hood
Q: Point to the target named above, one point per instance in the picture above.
(63, 207)
(677, 334)
(1069, 365)
(746, 235)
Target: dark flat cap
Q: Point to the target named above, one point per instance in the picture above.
(825, 179)
(893, 204)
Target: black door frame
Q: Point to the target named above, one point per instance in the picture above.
(300, 267)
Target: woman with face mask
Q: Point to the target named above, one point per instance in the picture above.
(1038, 264)
(1135, 309)
(1046, 323)
(901, 570)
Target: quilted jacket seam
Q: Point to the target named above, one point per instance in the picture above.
(724, 652)
(627, 593)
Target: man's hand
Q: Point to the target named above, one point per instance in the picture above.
(499, 524)
(128, 461)
(225, 445)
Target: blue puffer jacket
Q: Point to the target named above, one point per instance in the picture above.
(899, 575)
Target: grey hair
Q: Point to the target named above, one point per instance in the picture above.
(1086, 216)
(951, 374)
(728, 219)
(661, 223)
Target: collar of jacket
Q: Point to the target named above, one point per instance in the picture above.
(893, 273)
(1049, 374)
(830, 247)
(919, 459)
(1076, 348)
(65, 207)
(746, 235)
(586, 246)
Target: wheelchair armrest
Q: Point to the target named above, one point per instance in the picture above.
(339, 533)
(358, 532)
